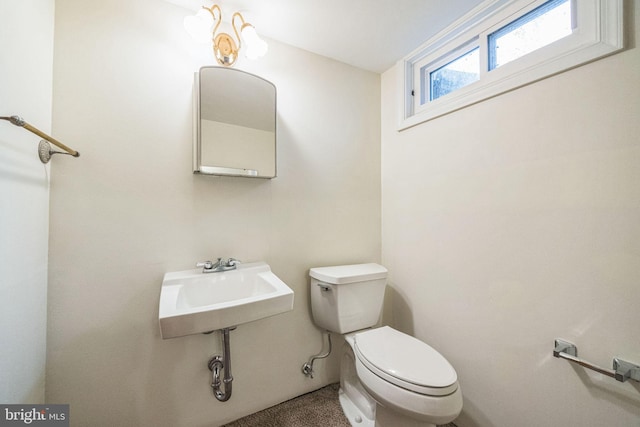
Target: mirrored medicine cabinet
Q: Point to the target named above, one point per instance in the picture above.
(234, 124)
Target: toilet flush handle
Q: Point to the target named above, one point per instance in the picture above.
(324, 287)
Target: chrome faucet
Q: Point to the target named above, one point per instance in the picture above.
(218, 266)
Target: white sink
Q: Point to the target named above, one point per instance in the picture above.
(192, 302)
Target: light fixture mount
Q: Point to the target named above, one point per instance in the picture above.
(225, 49)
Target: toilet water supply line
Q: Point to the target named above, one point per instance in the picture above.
(222, 387)
(307, 368)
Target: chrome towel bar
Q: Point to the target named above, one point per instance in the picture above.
(622, 370)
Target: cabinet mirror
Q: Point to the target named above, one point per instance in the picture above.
(234, 124)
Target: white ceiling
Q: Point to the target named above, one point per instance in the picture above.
(369, 34)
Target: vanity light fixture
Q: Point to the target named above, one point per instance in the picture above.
(225, 49)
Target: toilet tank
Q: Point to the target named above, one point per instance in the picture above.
(347, 298)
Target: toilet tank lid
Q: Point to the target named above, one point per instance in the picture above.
(349, 273)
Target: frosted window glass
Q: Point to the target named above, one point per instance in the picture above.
(456, 74)
(538, 28)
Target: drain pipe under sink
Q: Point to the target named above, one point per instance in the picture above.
(222, 387)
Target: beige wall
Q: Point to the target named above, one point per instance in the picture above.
(129, 210)
(506, 224)
(516, 221)
(26, 60)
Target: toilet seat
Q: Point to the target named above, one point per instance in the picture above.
(405, 361)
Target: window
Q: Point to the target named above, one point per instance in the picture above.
(456, 74)
(538, 28)
(502, 45)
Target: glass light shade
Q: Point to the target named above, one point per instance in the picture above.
(200, 26)
(255, 47)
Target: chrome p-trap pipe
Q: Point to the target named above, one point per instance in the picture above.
(222, 384)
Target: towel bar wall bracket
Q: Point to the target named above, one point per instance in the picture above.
(622, 370)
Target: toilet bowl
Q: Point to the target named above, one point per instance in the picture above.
(407, 375)
(387, 378)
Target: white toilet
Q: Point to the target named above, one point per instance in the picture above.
(387, 378)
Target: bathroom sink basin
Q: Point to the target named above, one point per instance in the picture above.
(192, 302)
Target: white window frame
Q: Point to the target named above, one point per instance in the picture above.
(598, 32)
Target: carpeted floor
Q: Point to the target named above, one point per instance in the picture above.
(320, 408)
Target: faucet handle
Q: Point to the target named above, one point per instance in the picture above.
(232, 262)
(207, 265)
